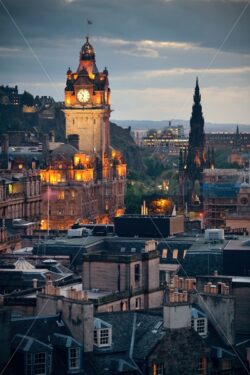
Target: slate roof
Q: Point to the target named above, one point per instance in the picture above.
(109, 364)
(126, 355)
(41, 328)
(148, 331)
(62, 340)
(29, 344)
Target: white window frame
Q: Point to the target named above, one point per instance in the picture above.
(200, 325)
(76, 358)
(98, 336)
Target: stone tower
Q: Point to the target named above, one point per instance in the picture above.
(87, 105)
(192, 163)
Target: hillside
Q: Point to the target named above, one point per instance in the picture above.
(122, 140)
(12, 118)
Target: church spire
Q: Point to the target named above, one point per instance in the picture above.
(196, 158)
(197, 96)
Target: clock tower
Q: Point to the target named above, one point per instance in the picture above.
(87, 105)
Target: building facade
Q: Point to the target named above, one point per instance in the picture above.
(226, 198)
(85, 179)
(20, 196)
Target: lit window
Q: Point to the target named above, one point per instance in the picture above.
(10, 189)
(61, 195)
(184, 254)
(40, 364)
(74, 358)
(158, 369)
(137, 272)
(73, 194)
(202, 367)
(175, 253)
(164, 253)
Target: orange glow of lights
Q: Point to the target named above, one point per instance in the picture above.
(85, 175)
(81, 158)
(119, 212)
(121, 170)
(98, 98)
(197, 160)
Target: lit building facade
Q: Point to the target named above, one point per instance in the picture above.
(85, 179)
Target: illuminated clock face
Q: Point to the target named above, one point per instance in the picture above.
(83, 96)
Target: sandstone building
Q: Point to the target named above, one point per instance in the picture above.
(84, 179)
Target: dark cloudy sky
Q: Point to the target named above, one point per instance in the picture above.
(153, 49)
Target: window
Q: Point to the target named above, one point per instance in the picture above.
(74, 358)
(175, 253)
(102, 333)
(158, 369)
(226, 364)
(61, 195)
(40, 364)
(138, 303)
(201, 325)
(104, 336)
(164, 253)
(184, 254)
(202, 367)
(137, 272)
(29, 364)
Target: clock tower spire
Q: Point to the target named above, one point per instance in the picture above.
(87, 105)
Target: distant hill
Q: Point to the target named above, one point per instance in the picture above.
(12, 118)
(209, 127)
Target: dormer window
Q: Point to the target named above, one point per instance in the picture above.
(102, 333)
(200, 326)
(199, 322)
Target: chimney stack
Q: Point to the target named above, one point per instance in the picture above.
(73, 140)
